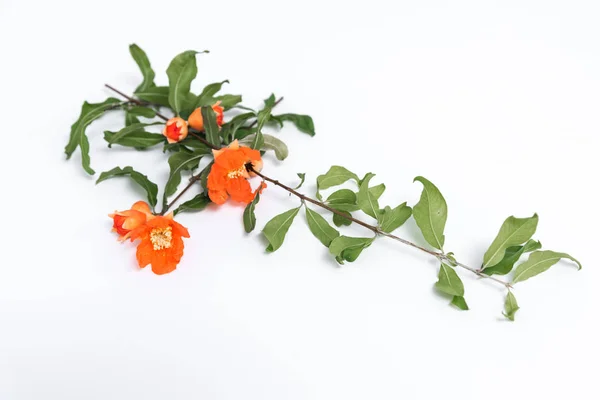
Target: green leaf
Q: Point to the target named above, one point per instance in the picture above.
(460, 303)
(249, 218)
(142, 61)
(130, 119)
(193, 143)
(269, 143)
(338, 220)
(138, 139)
(181, 72)
(510, 306)
(511, 256)
(304, 123)
(302, 176)
(198, 203)
(89, 113)
(262, 117)
(128, 130)
(377, 190)
(343, 199)
(179, 162)
(430, 214)
(391, 219)
(320, 228)
(155, 95)
(276, 229)
(335, 176)
(228, 101)
(204, 176)
(449, 281)
(513, 232)
(539, 262)
(345, 248)
(142, 180)
(229, 129)
(211, 128)
(206, 98)
(365, 199)
(145, 112)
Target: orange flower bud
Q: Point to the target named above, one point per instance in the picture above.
(195, 120)
(126, 221)
(176, 129)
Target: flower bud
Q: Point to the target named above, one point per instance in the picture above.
(195, 120)
(176, 129)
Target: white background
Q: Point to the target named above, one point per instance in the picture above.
(496, 102)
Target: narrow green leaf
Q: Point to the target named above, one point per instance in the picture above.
(269, 143)
(511, 256)
(181, 72)
(335, 176)
(206, 98)
(130, 119)
(145, 112)
(138, 139)
(391, 219)
(430, 214)
(320, 228)
(142, 180)
(197, 203)
(179, 162)
(89, 113)
(449, 282)
(510, 306)
(304, 123)
(538, 262)
(142, 61)
(513, 232)
(276, 229)
(338, 220)
(262, 117)
(211, 128)
(128, 130)
(302, 176)
(204, 176)
(249, 218)
(460, 303)
(345, 248)
(155, 95)
(228, 101)
(365, 199)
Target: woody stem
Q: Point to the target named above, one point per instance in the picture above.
(440, 256)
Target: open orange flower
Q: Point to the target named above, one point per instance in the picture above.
(176, 129)
(126, 221)
(195, 120)
(228, 175)
(161, 243)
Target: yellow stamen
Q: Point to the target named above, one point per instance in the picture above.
(237, 172)
(161, 238)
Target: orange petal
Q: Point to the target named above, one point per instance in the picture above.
(239, 189)
(217, 196)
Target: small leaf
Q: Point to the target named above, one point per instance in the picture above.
(346, 248)
(128, 130)
(377, 190)
(229, 129)
(513, 232)
(304, 123)
(449, 282)
(365, 199)
(269, 143)
(539, 262)
(343, 199)
(510, 306)
(206, 98)
(145, 112)
(89, 113)
(198, 203)
(228, 101)
(320, 228)
(430, 214)
(391, 219)
(338, 220)
(155, 95)
(181, 72)
(460, 303)
(130, 119)
(142, 61)
(249, 218)
(302, 176)
(179, 162)
(335, 176)
(204, 176)
(276, 229)
(210, 125)
(511, 256)
(142, 180)
(138, 139)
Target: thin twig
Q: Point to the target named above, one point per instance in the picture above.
(131, 99)
(193, 180)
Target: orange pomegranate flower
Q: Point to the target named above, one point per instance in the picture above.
(176, 129)
(126, 221)
(161, 243)
(228, 175)
(195, 120)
